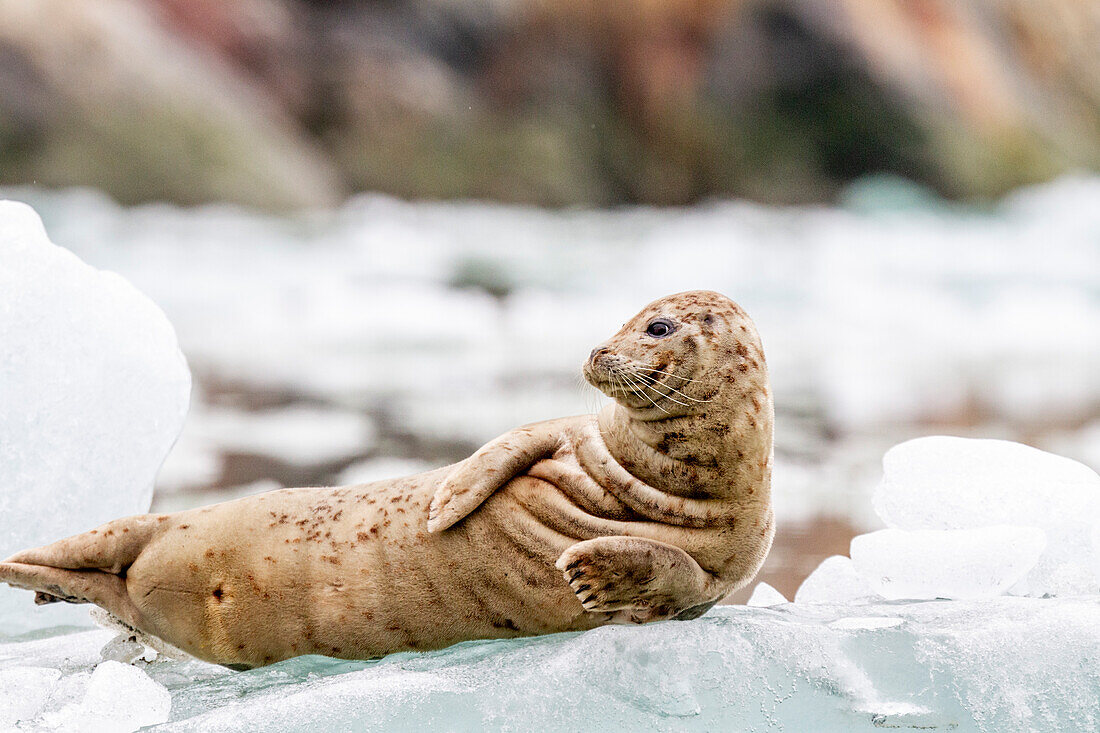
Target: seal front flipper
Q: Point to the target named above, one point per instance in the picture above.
(637, 579)
(473, 480)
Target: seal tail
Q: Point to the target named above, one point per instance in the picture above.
(85, 568)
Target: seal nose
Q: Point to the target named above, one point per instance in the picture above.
(598, 352)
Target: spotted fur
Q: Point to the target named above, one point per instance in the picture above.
(655, 508)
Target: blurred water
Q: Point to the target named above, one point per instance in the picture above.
(341, 342)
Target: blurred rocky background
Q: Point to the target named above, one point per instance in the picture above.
(285, 104)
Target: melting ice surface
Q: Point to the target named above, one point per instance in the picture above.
(968, 521)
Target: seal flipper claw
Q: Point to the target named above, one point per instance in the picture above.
(636, 579)
(474, 480)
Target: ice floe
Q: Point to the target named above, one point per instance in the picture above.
(93, 392)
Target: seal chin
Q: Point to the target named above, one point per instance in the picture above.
(615, 376)
(599, 376)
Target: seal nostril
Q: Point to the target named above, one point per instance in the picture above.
(598, 351)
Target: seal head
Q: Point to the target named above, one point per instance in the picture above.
(689, 381)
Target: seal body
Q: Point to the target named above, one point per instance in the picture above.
(655, 508)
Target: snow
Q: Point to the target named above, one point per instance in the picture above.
(377, 469)
(964, 563)
(295, 434)
(94, 391)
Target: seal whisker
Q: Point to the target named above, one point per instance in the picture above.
(652, 368)
(641, 389)
(648, 382)
(619, 383)
(622, 379)
(630, 382)
(591, 394)
(656, 384)
(667, 396)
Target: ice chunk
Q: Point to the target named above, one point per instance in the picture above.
(93, 391)
(1067, 567)
(961, 563)
(130, 645)
(65, 651)
(68, 692)
(119, 699)
(1005, 664)
(834, 581)
(24, 692)
(942, 482)
(765, 595)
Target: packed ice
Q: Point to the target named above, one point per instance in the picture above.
(93, 391)
(1004, 664)
(25, 692)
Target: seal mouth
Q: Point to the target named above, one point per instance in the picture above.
(642, 386)
(605, 372)
(600, 374)
(624, 380)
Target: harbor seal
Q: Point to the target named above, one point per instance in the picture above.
(654, 508)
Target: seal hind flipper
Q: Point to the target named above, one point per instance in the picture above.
(474, 480)
(111, 547)
(85, 568)
(637, 579)
(106, 590)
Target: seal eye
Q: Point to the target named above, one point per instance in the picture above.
(660, 328)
